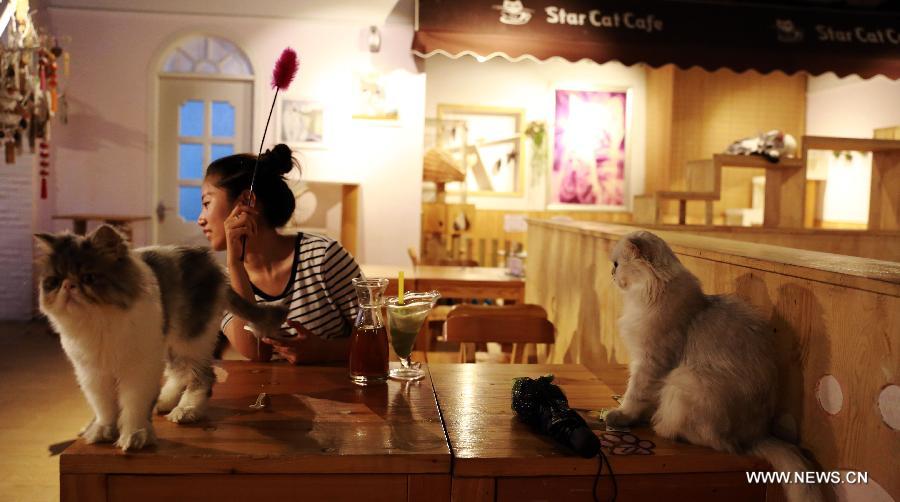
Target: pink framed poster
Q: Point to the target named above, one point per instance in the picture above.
(590, 153)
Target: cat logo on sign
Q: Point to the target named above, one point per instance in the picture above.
(513, 12)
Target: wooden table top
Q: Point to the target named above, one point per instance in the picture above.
(317, 422)
(487, 439)
(103, 217)
(444, 273)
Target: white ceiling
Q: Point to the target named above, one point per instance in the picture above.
(362, 11)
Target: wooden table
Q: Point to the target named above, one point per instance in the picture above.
(79, 221)
(322, 438)
(884, 194)
(497, 458)
(454, 282)
(785, 187)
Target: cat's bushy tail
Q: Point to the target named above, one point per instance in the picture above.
(785, 457)
(266, 318)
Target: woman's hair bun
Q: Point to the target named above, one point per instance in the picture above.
(278, 160)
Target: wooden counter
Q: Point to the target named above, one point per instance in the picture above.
(453, 282)
(321, 437)
(496, 457)
(836, 319)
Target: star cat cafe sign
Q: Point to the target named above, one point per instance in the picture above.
(712, 35)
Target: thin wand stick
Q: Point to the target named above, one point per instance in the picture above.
(256, 165)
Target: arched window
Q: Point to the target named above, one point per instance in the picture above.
(209, 56)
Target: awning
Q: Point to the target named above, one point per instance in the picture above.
(710, 35)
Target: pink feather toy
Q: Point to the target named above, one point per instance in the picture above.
(282, 76)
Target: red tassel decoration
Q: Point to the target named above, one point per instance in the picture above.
(285, 69)
(43, 188)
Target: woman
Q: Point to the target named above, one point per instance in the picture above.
(310, 272)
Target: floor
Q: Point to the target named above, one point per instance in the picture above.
(42, 409)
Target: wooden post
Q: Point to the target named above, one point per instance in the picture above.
(682, 211)
(349, 211)
(884, 198)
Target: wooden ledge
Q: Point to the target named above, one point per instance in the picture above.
(687, 195)
(845, 271)
(726, 160)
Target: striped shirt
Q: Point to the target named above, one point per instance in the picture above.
(322, 298)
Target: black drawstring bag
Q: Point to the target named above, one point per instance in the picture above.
(543, 405)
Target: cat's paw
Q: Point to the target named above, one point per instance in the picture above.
(136, 440)
(166, 404)
(98, 433)
(618, 418)
(185, 415)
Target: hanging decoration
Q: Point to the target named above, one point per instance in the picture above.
(31, 91)
(44, 162)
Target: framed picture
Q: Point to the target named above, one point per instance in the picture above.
(490, 147)
(302, 123)
(590, 150)
(375, 99)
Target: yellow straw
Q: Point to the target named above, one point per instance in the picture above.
(400, 287)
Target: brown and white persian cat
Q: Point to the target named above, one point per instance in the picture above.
(125, 317)
(702, 366)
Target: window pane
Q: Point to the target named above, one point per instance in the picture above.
(189, 203)
(190, 161)
(222, 119)
(190, 118)
(219, 151)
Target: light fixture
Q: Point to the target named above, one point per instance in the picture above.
(374, 39)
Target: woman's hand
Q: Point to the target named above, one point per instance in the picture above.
(305, 348)
(242, 222)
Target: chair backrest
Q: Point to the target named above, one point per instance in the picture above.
(506, 324)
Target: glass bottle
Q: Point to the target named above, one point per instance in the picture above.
(369, 343)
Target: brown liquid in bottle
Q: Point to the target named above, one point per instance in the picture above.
(369, 354)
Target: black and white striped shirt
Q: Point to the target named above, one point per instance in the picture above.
(322, 298)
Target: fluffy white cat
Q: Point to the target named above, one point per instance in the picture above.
(127, 317)
(702, 366)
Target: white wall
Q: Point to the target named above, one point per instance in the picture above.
(851, 107)
(532, 86)
(17, 193)
(848, 107)
(104, 160)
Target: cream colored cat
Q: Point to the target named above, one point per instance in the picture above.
(702, 366)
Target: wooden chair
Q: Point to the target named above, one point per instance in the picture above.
(516, 324)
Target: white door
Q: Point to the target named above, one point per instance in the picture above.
(200, 120)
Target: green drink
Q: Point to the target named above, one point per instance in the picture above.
(405, 320)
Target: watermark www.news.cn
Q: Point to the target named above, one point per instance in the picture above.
(808, 477)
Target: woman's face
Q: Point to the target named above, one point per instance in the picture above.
(215, 207)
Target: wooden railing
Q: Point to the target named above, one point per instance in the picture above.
(837, 320)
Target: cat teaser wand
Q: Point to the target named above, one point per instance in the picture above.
(282, 76)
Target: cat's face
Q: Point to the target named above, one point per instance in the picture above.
(78, 274)
(640, 260)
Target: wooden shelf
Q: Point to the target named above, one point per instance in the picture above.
(725, 160)
(855, 144)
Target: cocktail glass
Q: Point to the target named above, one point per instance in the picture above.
(405, 320)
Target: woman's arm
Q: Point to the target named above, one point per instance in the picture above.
(241, 339)
(308, 348)
(242, 223)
